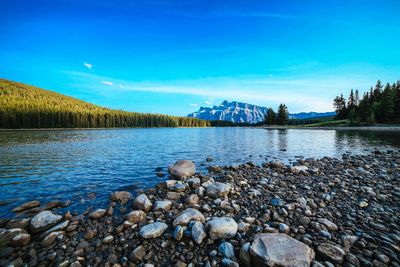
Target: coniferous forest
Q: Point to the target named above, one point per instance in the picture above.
(380, 105)
(24, 106)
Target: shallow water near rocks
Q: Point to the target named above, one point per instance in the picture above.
(85, 166)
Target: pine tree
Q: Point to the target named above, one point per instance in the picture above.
(339, 103)
(283, 115)
(270, 117)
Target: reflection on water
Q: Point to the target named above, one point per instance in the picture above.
(74, 164)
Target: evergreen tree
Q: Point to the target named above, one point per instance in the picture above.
(270, 117)
(283, 115)
(339, 103)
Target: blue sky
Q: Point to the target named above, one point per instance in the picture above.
(174, 56)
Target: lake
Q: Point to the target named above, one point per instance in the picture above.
(85, 166)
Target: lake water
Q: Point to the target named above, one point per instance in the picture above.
(74, 164)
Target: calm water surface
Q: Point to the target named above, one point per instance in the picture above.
(74, 164)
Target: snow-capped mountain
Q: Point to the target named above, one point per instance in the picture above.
(242, 112)
(231, 111)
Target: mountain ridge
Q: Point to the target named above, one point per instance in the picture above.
(240, 112)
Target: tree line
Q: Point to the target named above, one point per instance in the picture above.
(277, 118)
(380, 105)
(24, 106)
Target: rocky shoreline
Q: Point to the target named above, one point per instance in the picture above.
(325, 212)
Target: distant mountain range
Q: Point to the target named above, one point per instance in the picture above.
(239, 112)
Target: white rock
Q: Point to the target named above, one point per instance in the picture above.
(198, 232)
(153, 230)
(162, 205)
(218, 189)
(142, 202)
(183, 169)
(43, 221)
(188, 215)
(223, 227)
(280, 250)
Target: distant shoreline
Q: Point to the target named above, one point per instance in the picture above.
(358, 128)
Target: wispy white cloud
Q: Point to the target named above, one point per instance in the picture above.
(194, 105)
(301, 93)
(87, 65)
(121, 86)
(107, 83)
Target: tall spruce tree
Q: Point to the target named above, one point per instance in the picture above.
(339, 103)
(270, 117)
(283, 115)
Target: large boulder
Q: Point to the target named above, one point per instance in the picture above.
(153, 230)
(43, 221)
(217, 189)
(188, 215)
(142, 202)
(223, 227)
(183, 169)
(97, 214)
(281, 250)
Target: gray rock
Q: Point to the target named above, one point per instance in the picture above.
(244, 254)
(97, 214)
(278, 249)
(153, 230)
(108, 239)
(43, 221)
(142, 202)
(223, 227)
(138, 253)
(218, 189)
(162, 205)
(193, 199)
(198, 232)
(27, 205)
(331, 252)
(20, 240)
(178, 232)
(330, 225)
(188, 215)
(57, 227)
(183, 169)
(49, 239)
(229, 263)
(136, 216)
(122, 196)
(227, 250)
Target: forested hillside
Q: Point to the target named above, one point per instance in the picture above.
(380, 105)
(24, 106)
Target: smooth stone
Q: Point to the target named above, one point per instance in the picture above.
(18, 223)
(138, 253)
(20, 240)
(153, 230)
(218, 189)
(227, 250)
(178, 232)
(194, 182)
(183, 169)
(162, 205)
(58, 227)
(198, 232)
(330, 225)
(193, 199)
(229, 263)
(331, 252)
(97, 214)
(136, 216)
(222, 228)
(108, 239)
(244, 254)
(49, 239)
(27, 205)
(278, 249)
(277, 164)
(142, 202)
(188, 215)
(299, 169)
(43, 221)
(122, 196)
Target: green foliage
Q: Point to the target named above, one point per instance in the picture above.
(283, 114)
(24, 106)
(270, 118)
(379, 105)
